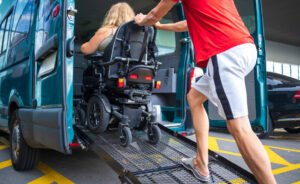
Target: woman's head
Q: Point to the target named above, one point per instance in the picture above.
(118, 14)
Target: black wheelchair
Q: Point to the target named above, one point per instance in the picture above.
(118, 86)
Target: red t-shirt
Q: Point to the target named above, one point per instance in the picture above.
(215, 26)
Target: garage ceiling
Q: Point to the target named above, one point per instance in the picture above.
(282, 21)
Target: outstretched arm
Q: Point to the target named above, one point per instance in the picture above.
(162, 8)
(180, 26)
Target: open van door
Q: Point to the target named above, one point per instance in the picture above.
(49, 123)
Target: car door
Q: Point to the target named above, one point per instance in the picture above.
(51, 116)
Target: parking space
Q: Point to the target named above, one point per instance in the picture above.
(56, 168)
(283, 150)
(85, 167)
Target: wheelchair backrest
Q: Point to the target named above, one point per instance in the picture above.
(132, 41)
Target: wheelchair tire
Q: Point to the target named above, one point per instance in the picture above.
(154, 134)
(97, 116)
(126, 136)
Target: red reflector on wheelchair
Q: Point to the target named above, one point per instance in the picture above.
(148, 77)
(133, 76)
(158, 85)
(121, 83)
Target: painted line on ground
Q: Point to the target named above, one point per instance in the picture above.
(5, 164)
(51, 176)
(4, 141)
(274, 157)
(236, 181)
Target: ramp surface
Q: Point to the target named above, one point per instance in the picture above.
(142, 162)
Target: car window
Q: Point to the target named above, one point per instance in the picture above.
(23, 24)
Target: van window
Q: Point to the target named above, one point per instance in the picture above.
(1, 35)
(165, 40)
(23, 25)
(6, 34)
(246, 10)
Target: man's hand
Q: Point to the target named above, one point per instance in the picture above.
(155, 14)
(139, 19)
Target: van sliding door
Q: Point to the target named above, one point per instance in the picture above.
(50, 123)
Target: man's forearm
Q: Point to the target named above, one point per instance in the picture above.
(180, 26)
(157, 13)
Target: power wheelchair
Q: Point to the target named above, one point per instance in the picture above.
(118, 86)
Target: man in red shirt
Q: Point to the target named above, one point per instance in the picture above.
(224, 46)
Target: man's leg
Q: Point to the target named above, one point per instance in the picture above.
(251, 149)
(201, 126)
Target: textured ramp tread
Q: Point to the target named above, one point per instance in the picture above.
(161, 163)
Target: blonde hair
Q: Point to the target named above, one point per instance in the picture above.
(118, 14)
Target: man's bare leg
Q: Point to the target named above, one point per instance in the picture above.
(251, 149)
(201, 126)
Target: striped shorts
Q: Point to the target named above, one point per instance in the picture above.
(224, 81)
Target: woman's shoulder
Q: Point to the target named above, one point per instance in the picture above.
(103, 30)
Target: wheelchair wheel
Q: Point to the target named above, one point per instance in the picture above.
(125, 136)
(97, 117)
(154, 134)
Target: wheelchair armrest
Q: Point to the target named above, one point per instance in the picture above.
(94, 57)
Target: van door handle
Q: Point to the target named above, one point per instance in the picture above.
(48, 48)
(70, 47)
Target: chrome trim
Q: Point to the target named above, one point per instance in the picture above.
(288, 119)
(169, 125)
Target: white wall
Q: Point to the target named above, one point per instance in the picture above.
(283, 53)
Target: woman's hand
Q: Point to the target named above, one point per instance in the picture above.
(157, 25)
(139, 19)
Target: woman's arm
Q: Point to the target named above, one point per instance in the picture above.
(180, 26)
(92, 45)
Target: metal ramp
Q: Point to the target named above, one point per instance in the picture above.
(142, 162)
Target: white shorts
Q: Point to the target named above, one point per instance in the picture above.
(224, 81)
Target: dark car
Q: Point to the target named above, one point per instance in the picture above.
(284, 102)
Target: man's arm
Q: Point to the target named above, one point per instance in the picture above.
(180, 26)
(163, 7)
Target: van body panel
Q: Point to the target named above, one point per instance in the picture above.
(35, 74)
(69, 63)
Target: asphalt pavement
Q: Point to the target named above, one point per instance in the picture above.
(84, 167)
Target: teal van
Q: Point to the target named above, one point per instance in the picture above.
(41, 71)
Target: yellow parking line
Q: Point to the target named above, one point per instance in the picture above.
(4, 141)
(284, 137)
(275, 158)
(5, 164)
(3, 147)
(298, 182)
(51, 176)
(286, 169)
(236, 181)
(213, 145)
(285, 149)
